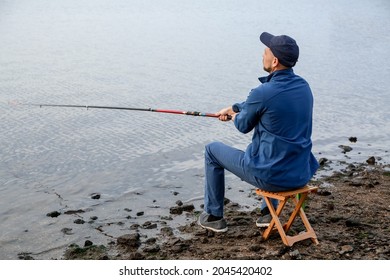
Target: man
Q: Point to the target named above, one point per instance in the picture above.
(279, 158)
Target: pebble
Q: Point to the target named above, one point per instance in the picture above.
(95, 196)
(53, 214)
(371, 160)
(141, 213)
(131, 240)
(352, 139)
(346, 249)
(79, 221)
(345, 149)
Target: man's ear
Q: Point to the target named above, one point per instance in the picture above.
(275, 61)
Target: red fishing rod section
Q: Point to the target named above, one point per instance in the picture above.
(168, 111)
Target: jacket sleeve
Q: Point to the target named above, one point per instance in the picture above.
(249, 111)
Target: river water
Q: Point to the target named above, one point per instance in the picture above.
(169, 54)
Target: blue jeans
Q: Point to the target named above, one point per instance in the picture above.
(219, 157)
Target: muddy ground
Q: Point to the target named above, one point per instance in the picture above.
(350, 215)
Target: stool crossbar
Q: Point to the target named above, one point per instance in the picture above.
(298, 196)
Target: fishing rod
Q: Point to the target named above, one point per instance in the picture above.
(190, 113)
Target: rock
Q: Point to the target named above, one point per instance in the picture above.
(71, 212)
(167, 231)
(152, 249)
(141, 213)
(295, 255)
(346, 249)
(53, 214)
(67, 231)
(129, 240)
(135, 226)
(179, 203)
(188, 207)
(352, 139)
(95, 196)
(176, 210)
(371, 160)
(88, 243)
(151, 240)
(79, 221)
(149, 225)
(322, 161)
(345, 149)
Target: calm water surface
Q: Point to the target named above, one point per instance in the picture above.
(187, 55)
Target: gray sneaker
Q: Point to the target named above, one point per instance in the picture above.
(265, 219)
(216, 226)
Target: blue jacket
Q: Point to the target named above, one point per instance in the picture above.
(280, 111)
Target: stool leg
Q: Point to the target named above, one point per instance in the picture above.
(309, 230)
(297, 209)
(275, 220)
(308, 227)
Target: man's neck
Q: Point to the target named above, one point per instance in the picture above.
(279, 67)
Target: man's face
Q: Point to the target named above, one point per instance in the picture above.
(268, 60)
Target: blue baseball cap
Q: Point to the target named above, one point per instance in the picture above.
(284, 48)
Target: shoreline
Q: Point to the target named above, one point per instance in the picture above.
(342, 213)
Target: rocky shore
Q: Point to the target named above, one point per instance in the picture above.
(350, 214)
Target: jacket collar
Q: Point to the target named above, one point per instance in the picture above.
(266, 79)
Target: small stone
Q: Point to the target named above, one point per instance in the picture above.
(135, 226)
(346, 249)
(188, 207)
(167, 231)
(131, 240)
(176, 210)
(352, 139)
(322, 161)
(67, 231)
(152, 249)
(151, 240)
(179, 203)
(345, 149)
(371, 160)
(95, 196)
(149, 225)
(79, 221)
(88, 243)
(53, 214)
(295, 255)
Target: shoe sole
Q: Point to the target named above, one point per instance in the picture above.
(213, 229)
(265, 225)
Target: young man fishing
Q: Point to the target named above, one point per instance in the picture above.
(279, 158)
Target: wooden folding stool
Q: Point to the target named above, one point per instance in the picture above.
(298, 197)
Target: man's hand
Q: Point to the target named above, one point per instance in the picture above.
(226, 114)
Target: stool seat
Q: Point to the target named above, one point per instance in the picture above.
(298, 196)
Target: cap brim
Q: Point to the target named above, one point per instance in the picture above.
(266, 38)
